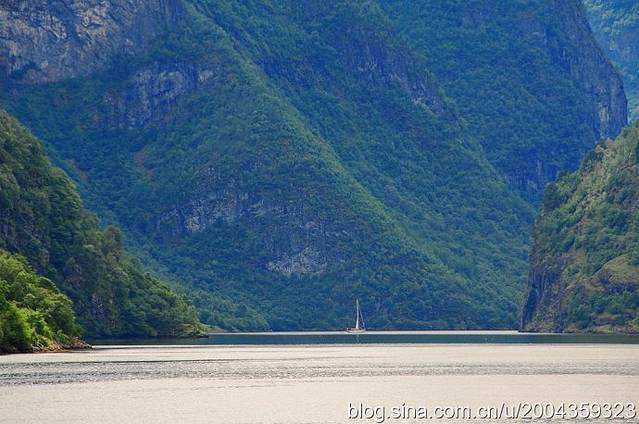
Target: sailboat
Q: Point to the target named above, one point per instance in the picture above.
(359, 320)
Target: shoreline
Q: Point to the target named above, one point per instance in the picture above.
(54, 347)
(437, 336)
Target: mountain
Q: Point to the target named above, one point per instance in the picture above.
(284, 158)
(527, 76)
(34, 315)
(43, 220)
(585, 261)
(616, 27)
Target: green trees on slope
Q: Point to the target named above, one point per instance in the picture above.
(522, 75)
(297, 174)
(283, 157)
(42, 218)
(33, 312)
(584, 266)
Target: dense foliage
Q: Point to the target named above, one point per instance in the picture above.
(282, 158)
(616, 26)
(33, 312)
(522, 74)
(585, 261)
(42, 218)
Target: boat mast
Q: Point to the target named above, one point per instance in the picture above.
(357, 314)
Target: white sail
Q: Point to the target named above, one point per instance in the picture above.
(359, 320)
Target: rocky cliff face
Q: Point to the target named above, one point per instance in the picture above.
(306, 247)
(149, 94)
(584, 273)
(616, 26)
(47, 41)
(576, 51)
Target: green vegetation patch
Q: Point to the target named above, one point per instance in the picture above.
(34, 314)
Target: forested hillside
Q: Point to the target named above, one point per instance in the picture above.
(616, 26)
(527, 76)
(585, 260)
(42, 219)
(34, 315)
(284, 158)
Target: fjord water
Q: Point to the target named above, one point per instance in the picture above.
(236, 380)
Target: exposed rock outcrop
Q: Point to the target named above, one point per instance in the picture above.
(616, 26)
(307, 247)
(46, 41)
(580, 55)
(150, 93)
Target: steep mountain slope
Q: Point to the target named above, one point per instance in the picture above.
(527, 76)
(615, 23)
(585, 262)
(34, 315)
(292, 156)
(42, 218)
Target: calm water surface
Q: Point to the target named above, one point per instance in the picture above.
(232, 379)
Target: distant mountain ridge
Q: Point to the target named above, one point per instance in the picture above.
(282, 158)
